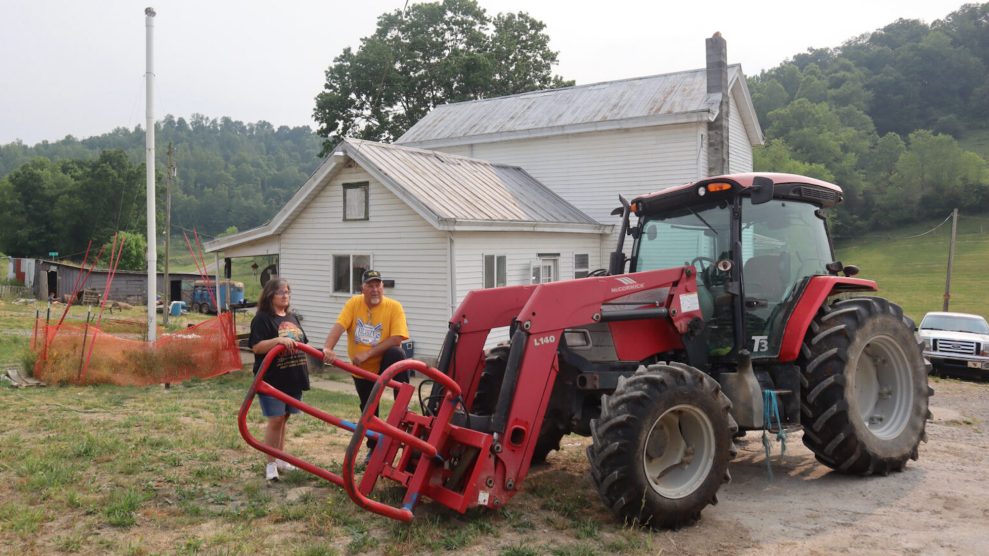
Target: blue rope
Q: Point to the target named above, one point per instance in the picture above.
(771, 411)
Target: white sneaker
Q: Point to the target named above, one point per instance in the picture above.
(271, 472)
(284, 466)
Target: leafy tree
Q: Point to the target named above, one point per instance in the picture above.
(933, 176)
(431, 54)
(133, 252)
(776, 156)
(28, 196)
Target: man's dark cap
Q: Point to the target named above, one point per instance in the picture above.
(370, 275)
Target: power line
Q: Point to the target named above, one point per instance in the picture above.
(928, 231)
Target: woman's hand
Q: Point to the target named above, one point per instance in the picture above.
(329, 356)
(289, 343)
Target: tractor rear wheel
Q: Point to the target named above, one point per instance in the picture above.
(865, 394)
(662, 445)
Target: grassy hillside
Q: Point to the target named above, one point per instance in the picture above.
(911, 270)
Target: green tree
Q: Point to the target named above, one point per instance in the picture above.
(431, 54)
(133, 251)
(934, 175)
(29, 226)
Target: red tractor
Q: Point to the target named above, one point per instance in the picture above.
(731, 308)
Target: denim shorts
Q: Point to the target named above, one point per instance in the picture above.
(273, 407)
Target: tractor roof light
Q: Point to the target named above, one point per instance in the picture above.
(718, 186)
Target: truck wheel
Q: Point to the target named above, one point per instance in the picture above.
(662, 445)
(864, 396)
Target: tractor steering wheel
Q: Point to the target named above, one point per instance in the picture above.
(701, 268)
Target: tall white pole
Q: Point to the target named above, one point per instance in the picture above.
(149, 142)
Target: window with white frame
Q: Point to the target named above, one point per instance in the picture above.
(347, 272)
(581, 265)
(355, 201)
(546, 268)
(494, 271)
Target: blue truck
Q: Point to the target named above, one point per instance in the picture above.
(231, 294)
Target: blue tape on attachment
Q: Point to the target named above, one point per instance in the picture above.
(408, 505)
(353, 427)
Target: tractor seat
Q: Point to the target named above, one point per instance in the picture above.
(763, 275)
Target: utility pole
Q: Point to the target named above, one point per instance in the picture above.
(169, 180)
(149, 162)
(951, 258)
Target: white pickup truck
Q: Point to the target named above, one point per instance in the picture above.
(956, 343)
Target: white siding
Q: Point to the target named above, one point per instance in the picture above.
(520, 250)
(739, 148)
(267, 245)
(590, 170)
(402, 246)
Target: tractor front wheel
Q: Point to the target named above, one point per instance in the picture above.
(865, 393)
(486, 399)
(661, 448)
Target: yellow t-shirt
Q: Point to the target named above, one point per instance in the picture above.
(367, 327)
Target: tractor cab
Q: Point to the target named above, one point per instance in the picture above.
(754, 240)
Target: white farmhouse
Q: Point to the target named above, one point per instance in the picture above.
(435, 225)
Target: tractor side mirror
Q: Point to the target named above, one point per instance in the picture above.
(762, 190)
(850, 270)
(651, 232)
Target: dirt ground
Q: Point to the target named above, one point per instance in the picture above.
(938, 505)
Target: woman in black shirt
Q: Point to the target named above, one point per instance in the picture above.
(276, 324)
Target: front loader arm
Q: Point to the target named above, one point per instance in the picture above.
(552, 308)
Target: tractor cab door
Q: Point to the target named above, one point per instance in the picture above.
(699, 236)
(783, 243)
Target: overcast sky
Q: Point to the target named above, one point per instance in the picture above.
(77, 66)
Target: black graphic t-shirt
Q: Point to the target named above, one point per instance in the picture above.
(288, 373)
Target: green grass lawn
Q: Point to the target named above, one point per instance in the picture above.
(911, 271)
(118, 470)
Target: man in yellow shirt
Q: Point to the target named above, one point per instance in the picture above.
(375, 327)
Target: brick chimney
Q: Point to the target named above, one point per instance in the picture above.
(717, 90)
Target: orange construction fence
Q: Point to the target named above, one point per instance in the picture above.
(72, 353)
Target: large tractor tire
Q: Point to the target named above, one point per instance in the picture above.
(661, 448)
(864, 393)
(486, 399)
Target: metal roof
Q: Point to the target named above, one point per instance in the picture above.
(654, 100)
(455, 191)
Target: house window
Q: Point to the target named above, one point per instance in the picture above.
(355, 202)
(347, 271)
(545, 269)
(581, 263)
(494, 271)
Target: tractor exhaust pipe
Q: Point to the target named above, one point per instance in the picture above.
(616, 264)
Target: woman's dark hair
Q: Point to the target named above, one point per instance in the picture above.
(268, 293)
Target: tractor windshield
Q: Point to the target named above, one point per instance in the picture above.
(782, 243)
